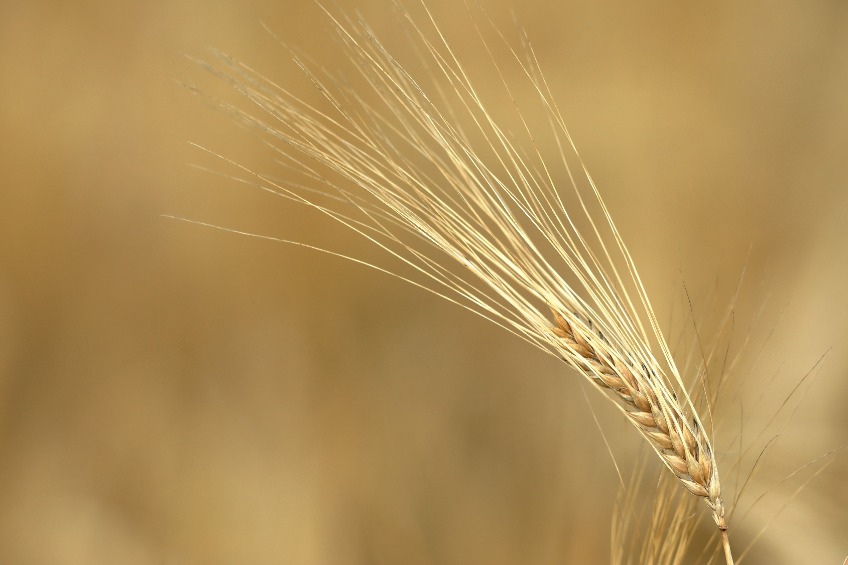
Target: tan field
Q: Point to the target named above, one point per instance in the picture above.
(176, 394)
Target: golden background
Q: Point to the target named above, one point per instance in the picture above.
(171, 394)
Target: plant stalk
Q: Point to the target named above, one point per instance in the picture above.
(725, 542)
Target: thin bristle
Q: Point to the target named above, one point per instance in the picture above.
(660, 533)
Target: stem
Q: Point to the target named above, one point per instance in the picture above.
(725, 542)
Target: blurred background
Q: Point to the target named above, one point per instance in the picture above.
(172, 394)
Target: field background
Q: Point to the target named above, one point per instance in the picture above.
(171, 394)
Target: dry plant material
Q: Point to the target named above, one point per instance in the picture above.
(660, 532)
(420, 166)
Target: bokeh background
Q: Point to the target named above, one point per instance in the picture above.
(172, 394)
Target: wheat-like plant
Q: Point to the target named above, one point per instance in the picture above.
(420, 166)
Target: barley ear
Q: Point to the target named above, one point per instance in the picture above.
(482, 222)
(652, 408)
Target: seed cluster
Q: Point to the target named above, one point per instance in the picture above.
(654, 409)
